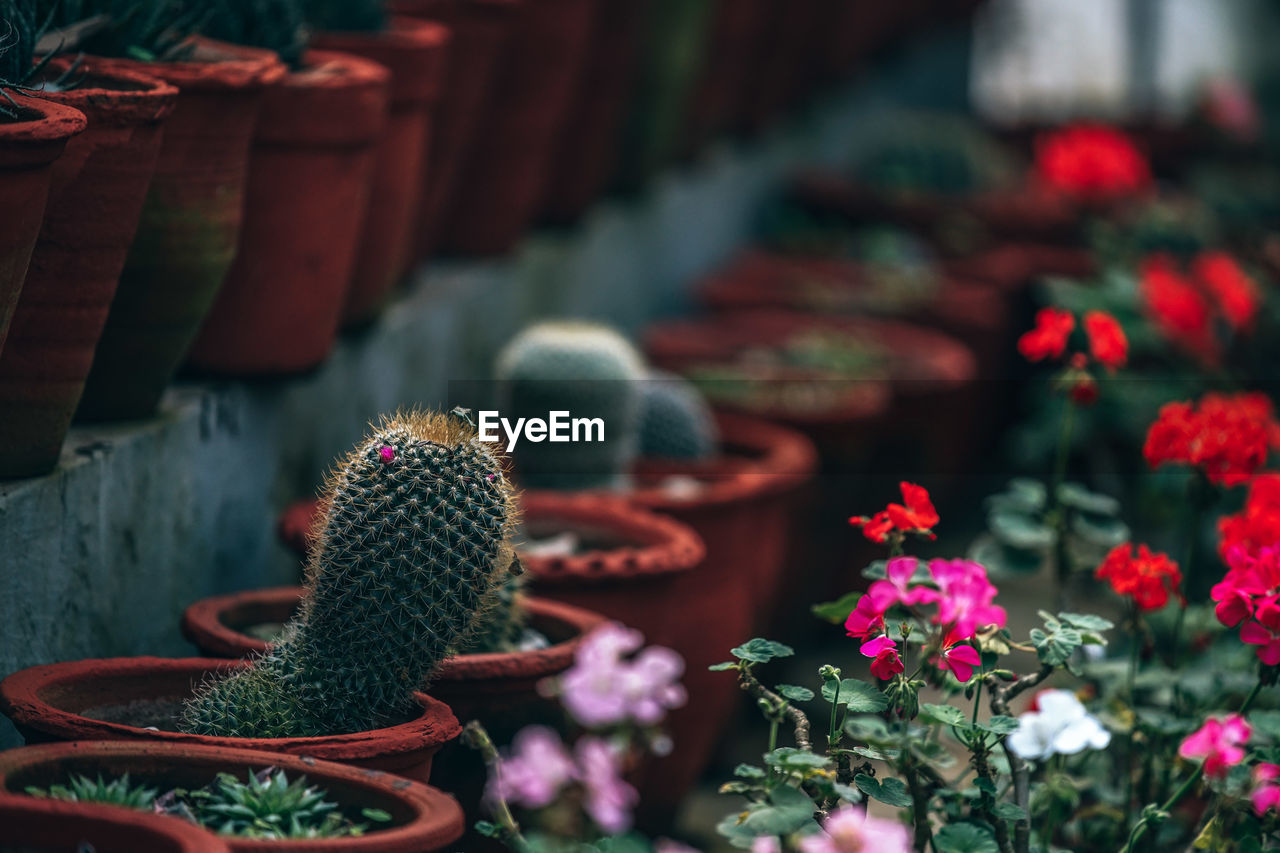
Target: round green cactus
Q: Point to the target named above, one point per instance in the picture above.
(413, 543)
(587, 371)
(675, 420)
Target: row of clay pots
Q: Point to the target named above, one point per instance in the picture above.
(421, 818)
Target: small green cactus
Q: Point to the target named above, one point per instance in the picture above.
(675, 420)
(272, 24)
(588, 371)
(414, 542)
(345, 15)
(502, 626)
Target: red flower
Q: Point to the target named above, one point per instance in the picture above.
(1227, 436)
(1049, 338)
(1107, 340)
(1236, 294)
(1091, 162)
(885, 663)
(1177, 308)
(959, 657)
(1149, 579)
(917, 516)
(1256, 526)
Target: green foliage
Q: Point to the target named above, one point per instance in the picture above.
(948, 155)
(857, 696)
(675, 420)
(1061, 636)
(761, 651)
(888, 791)
(116, 792)
(146, 30)
(345, 15)
(589, 371)
(414, 543)
(270, 807)
(965, 838)
(272, 24)
(18, 35)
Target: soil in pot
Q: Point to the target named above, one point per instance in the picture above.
(30, 825)
(308, 190)
(118, 698)
(416, 53)
(95, 198)
(480, 30)
(418, 818)
(28, 147)
(507, 163)
(189, 228)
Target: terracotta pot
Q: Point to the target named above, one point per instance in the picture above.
(28, 148)
(587, 148)
(310, 173)
(37, 826)
(480, 30)
(505, 172)
(49, 704)
(415, 52)
(422, 818)
(736, 27)
(95, 199)
(189, 228)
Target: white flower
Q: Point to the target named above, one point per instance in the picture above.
(1061, 727)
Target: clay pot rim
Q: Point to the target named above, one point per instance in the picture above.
(436, 820)
(22, 702)
(104, 105)
(666, 547)
(413, 49)
(54, 123)
(334, 69)
(188, 837)
(225, 66)
(402, 32)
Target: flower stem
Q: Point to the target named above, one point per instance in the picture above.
(478, 739)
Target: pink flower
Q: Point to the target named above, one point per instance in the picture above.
(883, 651)
(896, 588)
(965, 603)
(387, 454)
(1266, 794)
(666, 845)
(960, 658)
(766, 844)
(866, 619)
(609, 799)
(535, 770)
(1250, 594)
(1266, 639)
(1219, 743)
(605, 687)
(850, 830)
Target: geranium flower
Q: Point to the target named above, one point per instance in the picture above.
(1049, 337)
(1266, 794)
(766, 844)
(1107, 341)
(915, 515)
(866, 619)
(851, 830)
(1236, 294)
(1226, 436)
(1059, 726)
(1249, 596)
(966, 596)
(960, 658)
(1177, 307)
(883, 651)
(535, 770)
(1219, 742)
(1146, 578)
(1256, 526)
(609, 799)
(897, 589)
(1092, 162)
(604, 687)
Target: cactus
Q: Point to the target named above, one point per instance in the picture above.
(345, 15)
(502, 626)
(675, 420)
(414, 541)
(272, 24)
(589, 371)
(17, 41)
(146, 30)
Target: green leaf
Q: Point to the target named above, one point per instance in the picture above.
(749, 771)
(795, 693)
(1056, 648)
(999, 725)
(790, 758)
(721, 667)
(964, 838)
(1024, 532)
(890, 791)
(946, 715)
(1266, 723)
(376, 815)
(1078, 497)
(858, 696)
(789, 810)
(1009, 811)
(761, 651)
(837, 611)
(487, 829)
(847, 793)
(985, 785)
(1104, 533)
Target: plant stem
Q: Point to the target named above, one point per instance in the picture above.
(1134, 650)
(478, 739)
(1057, 515)
(1064, 449)
(748, 682)
(1001, 695)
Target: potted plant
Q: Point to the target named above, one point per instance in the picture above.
(95, 201)
(32, 137)
(417, 53)
(307, 196)
(52, 826)
(190, 222)
(251, 801)
(343, 683)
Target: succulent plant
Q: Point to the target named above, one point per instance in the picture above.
(345, 15)
(414, 541)
(675, 420)
(590, 372)
(146, 30)
(501, 627)
(116, 792)
(272, 24)
(268, 806)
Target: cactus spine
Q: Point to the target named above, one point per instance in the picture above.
(675, 420)
(413, 543)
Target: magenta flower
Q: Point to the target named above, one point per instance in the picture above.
(605, 687)
(1249, 593)
(1266, 794)
(766, 844)
(850, 830)
(1219, 743)
(666, 845)
(535, 771)
(883, 651)
(960, 658)
(966, 600)
(387, 454)
(609, 799)
(897, 589)
(866, 619)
